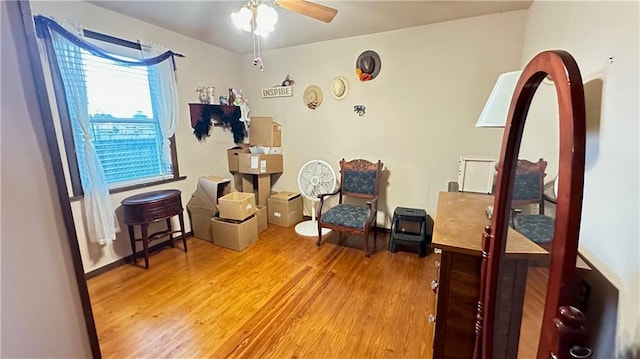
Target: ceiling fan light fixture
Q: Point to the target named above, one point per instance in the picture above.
(256, 17)
(266, 19)
(242, 19)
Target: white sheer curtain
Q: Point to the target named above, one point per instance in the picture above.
(164, 96)
(101, 221)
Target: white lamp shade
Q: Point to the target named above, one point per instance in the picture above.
(242, 19)
(266, 20)
(496, 110)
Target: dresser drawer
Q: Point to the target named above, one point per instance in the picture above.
(160, 205)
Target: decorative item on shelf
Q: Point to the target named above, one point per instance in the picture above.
(312, 97)
(206, 94)
(359, 109)
(368, 65)
(223, 100)
(339, 87)
(241, 102)
(232, 96)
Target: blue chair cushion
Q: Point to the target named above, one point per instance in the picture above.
(346, 215)
(538, 228)
(359, 182)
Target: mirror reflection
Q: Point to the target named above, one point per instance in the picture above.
(532, 216)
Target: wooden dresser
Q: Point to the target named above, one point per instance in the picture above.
(457, 236)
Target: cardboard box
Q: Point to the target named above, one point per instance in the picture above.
(237, 205)
(285, 208)
(232, 156)
(203, 204)
(263, 218)
(259, 164)
(260, 185)
(233, 234)
(264, 131)
(265, 150)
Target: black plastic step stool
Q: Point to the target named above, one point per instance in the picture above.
(398, 234)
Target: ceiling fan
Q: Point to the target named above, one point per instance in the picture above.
(257, 17)
(308, 8)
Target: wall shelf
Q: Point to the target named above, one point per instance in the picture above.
(205, 116)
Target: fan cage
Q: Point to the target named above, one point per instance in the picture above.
(316, 177)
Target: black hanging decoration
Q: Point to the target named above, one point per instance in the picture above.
(229, 116)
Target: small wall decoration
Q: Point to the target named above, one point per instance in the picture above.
(282, 90)
(312, 97)
(360, 109)
(339, 87)
(278, 91)
(288, 81)
(368, 65)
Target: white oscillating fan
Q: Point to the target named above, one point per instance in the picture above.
(315, 177)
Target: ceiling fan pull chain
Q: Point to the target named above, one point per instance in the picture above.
(257, 60)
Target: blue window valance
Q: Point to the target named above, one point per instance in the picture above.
(45, 25)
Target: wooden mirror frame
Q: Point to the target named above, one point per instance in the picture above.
(562, 325)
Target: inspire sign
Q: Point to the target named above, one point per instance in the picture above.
(278, 91)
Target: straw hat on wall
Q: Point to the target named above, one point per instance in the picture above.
(312, 97)
(339, 87)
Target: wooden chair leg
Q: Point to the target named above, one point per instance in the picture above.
(366, 242)
(319, 235)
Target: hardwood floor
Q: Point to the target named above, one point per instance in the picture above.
(532, 312)
(282, 297)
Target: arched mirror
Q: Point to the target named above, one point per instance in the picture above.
(528, 297)
(531, 222)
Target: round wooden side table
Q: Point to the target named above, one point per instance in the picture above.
(145, 208)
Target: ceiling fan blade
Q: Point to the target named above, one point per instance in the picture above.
(316, 11)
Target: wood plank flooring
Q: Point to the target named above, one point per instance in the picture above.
(284, 297)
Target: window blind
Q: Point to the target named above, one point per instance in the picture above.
(125, 132)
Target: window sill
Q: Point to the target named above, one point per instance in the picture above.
(137, 186)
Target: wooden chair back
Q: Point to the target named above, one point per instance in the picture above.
(528, 184)
(359, 178)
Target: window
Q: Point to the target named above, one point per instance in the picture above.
(122, 102)
(126, 133)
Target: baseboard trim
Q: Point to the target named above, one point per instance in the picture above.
(127, 259)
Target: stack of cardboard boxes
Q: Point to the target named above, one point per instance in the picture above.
(228, 219)
(253, 164)
(234, 219)
(236, 226)
(203, 204)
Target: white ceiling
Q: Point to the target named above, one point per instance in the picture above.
(209, 21)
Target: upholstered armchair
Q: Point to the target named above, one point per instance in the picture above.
(528, 188)
(360, 179)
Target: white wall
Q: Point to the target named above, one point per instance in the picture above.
(203, 64)
(421, 109)
(610, 239)
(41, 310)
